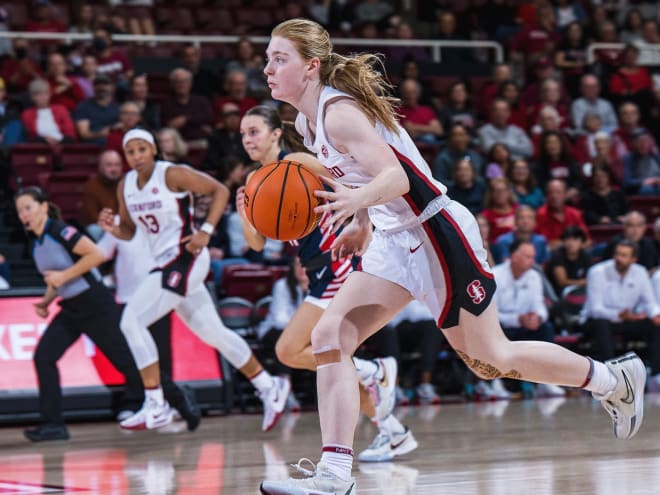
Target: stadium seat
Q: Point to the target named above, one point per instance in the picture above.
(65, 190)
(440, 84)
(236, 313)
(279, 271)
(215, 21)
(28, 161)
(604, 233)
(252, 17)
(648, 205)
(196, 155)
(260, 310)
(249, 284)
(80, 157)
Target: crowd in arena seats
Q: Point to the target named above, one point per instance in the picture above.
(550, 150)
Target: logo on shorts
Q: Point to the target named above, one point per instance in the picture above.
(476, 292)
(324, 151)
(174, 279)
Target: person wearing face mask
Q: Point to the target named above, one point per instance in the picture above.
(96, 117)
(19, 70)
(67, 259)
(111, 61)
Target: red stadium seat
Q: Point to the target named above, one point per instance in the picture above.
(604, 233)
(215, 20)
(249, 284)
(279, 271)
(259, 18)
(196, 155)
(28, 161)
(440, 84)
(648, 205)
(236, 313)
(65, 190)
(80, 157)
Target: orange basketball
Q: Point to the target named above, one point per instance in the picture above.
(280, 200)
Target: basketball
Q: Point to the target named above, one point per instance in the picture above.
(280, 200)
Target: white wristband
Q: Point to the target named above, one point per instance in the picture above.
(208, 228)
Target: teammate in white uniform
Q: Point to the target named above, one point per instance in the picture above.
(156, 196)
(262, 131)
(425, 246)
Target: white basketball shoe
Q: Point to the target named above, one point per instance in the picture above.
(385, 448)
(274, 401)
(319, 481)
(625, 404)
(382, 392)
(152, 415)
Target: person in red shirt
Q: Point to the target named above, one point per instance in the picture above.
(18, 71)
(43, 21)
(501, 73)
(540, 39)
(64, 89)
(500, 203)
(111, 62)
(632, 82)
(420, 121)
(46, 122)
(555, 216)
(236, 88)
(129, 118)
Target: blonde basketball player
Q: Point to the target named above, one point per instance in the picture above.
(425, 246)
(156, 197)
(262, 133)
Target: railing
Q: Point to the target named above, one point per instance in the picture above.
(648, 54)
(435, 45)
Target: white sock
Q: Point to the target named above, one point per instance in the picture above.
(155, 394)
(365, 370)
(391, 426)
(338, 459)
(602, 380)
(262, 381)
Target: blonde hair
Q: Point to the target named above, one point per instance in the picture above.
(361, 76)
(180, 146)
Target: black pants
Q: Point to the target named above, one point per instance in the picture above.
(423, 336)
(267, 355)
(601, 333)
(161, 331)
(94, 313)
(545, 333)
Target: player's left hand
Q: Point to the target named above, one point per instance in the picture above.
(342, 202)
(54, 278)
(352, 241)
(196, 242)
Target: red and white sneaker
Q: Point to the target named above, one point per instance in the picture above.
(152, 415)
(274, 401)
(383, 392)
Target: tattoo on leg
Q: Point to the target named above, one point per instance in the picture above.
(486, 370)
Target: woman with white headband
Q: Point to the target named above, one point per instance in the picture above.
(156, 196)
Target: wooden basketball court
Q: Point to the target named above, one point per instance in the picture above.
(550, 446)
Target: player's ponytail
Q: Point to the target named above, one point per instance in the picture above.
(39, 196)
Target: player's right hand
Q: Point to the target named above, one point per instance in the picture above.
(240, 201)
(107, 220)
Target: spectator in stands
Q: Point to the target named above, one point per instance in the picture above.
(501, 72)
(88, 71)
(531, 94)
(500, 206)
(410, 70)
(629, 126)
(100, 191)
(112, 62)
(555, 215)
(458, 147)
(549, 96)
(484, 232)
(129, 118)
(601, 204)
(571, 57)
(632, 26)
(467, 187)
(499, 161)
(420, 121)
(85, 21)
(95, 117)
(398, 54)
(417, 331)
(205, 82)
(4, 273)
(590, 101)
(376, 11)
(46, 122)
(171, 145)
(656, 236)
(650, 36)
(538, 39)
(225, 141)
(447, 31)
(498, 130)
(11, 129)
(555, 161)
(607, 59)
(525, 185)
(521, 308)
(634, 228)
(570, 261)
(641, 167)
(132, 21)
(458, 109)
(548, 120)
(189, 114)
(605, 155)
(523, 230)
(510, 92)
(43, 21)
(252, 63)
(567, 12)
(236, 91)
(18, 71)
(632, 82)
(64, 89)
(620, 301)
(139, 94)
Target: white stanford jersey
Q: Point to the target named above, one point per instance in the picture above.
(398, 212)
(164, 216)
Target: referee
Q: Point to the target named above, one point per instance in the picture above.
(67, 259)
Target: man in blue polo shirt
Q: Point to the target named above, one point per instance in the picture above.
(96, 116)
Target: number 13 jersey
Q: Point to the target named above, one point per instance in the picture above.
(164, 216)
